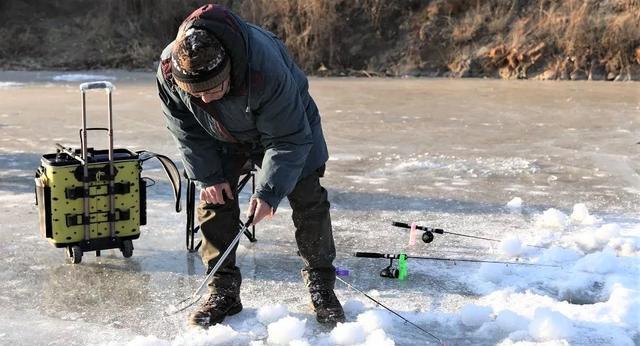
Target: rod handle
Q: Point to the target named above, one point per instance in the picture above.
(400, 224)
(249, 220)
(369, 255)
(422, 228)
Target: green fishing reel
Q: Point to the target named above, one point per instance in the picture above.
(390, 271)
(400, 272)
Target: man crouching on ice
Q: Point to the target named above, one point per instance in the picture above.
(231, 93)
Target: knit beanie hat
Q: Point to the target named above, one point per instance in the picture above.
(198, 61)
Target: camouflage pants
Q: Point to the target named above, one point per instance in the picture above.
(314, 237)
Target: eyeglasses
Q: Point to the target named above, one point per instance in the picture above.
(220, 88)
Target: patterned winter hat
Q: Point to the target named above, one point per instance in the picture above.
(198, 61)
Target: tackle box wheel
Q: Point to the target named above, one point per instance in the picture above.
(127, 248)
(75, 254)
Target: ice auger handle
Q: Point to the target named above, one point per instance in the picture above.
(97, 85)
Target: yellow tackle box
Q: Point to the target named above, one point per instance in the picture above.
(92, 200)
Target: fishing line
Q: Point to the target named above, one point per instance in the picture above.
(391, 311)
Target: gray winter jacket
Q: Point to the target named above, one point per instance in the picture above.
(268, 106)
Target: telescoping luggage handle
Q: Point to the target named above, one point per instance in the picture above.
(97, 85)
(84, 87)
(100, 85)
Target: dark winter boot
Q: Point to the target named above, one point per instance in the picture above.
(213, 310)
(327, 307)
(320, 282)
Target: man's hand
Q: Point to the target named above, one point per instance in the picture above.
(215, 194)
(259, 209)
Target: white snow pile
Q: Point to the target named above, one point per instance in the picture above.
(511, 246)
(550, 325)
(558, 255)
(552, 219)
(608, 235)
(366, 331)
(353, 307)
(515, 204)
(217, 335)
(271, 313)
(79, 77)
(492, 272)
(509, 321)
(349, 333)
(286, 330)
(474, 315)
(353, 333)
(592, 296)
(372, 320)
(580, 215)
(601, 262)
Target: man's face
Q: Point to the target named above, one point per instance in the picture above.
(213, 94)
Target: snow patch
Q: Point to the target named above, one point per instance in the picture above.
(552, 218)
(590, 239)
(548, 324)
(219, 334)
(374, 293)
(515, 203)
(78, 77)
(474, 315)
(599, 262)
(353, 307)
(286, 330)
(299, 342)
(271, 313)
(6, 85)
(349, 333)
(374, 319)
(559, 255)
(148, 341)
(344, 157)
(492, 272)
(623, 306)
(510, 321)
(378, 338)
(413, 166)
(580, 215)
(511, 246)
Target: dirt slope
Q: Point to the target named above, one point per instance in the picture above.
(541, 39)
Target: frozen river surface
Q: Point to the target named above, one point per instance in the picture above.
(549, 164)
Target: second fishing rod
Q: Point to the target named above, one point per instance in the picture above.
(400, 272)
(428, 234)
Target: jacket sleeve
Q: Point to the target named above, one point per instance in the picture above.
(197, 147)
(286, 136)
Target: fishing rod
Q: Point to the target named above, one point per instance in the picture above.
(428, 233)
(388, 309)
(197, 295)
(401, 271)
